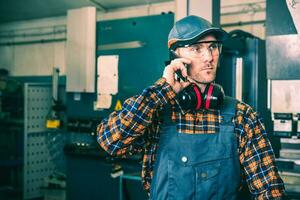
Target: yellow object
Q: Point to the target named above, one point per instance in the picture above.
(118, 106)
(52, 123)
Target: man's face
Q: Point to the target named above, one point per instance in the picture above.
(204, 59)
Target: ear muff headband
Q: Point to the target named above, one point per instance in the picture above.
(198, 95)
(210, 91)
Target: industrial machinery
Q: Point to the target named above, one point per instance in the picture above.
(55, 116)
(283, 61)
(243, 69)
(11, 129)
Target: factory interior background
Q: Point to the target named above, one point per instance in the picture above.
(65, 65)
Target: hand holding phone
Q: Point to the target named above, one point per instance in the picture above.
(178, 66)
(178, 72)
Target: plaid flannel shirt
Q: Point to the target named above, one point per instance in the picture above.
(135, 129)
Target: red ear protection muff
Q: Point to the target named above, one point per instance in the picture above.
(191, 97)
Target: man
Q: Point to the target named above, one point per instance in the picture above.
(191, 149)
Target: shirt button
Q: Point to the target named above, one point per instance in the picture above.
(203, 175)
(184, 159)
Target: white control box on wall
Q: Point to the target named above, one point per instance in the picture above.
(81, 50)
(285, 96)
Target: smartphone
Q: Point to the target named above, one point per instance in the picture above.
(174, 55)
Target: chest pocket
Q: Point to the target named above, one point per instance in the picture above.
(195, 154)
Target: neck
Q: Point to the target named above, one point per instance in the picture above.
(202, 86)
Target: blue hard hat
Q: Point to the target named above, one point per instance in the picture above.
(190, 29)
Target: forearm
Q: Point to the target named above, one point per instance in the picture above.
(262, 175)
(119, 132)
(258, 160)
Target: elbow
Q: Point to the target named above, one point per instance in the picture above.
(104, 146)
(107, 148)
(102, 139)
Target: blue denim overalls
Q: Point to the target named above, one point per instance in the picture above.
(197, 166)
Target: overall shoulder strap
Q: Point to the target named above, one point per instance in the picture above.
(165, 116)
(229, 106)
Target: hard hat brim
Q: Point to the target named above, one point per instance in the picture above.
(220, 35)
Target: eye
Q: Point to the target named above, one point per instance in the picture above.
(194, 48)
(197, 48)
(214, 46)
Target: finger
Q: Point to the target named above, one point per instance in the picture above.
(186, 61)
(183, 70)
(178, 62)
(174, 66)
(182, 60)
(169, 74)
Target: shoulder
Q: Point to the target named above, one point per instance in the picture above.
(245, 113)
(241, 110)
(240, 106)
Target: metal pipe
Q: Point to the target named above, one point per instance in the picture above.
(243, 23)
(269, 94)
(54, 27)
(242, 12)
(239, 78)
(99, 5)
(32, 34)
(32, 42)
(55, 76)
(244, 4)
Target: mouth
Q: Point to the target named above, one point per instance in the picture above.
(208, 69)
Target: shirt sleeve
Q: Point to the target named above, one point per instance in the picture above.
(257, 156)
(120, 133)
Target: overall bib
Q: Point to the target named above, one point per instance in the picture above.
(197, 166)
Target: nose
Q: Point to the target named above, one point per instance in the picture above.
(207, 55)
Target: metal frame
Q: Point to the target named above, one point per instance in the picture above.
(43, 149)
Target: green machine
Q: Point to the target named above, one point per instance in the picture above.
(141, 45)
